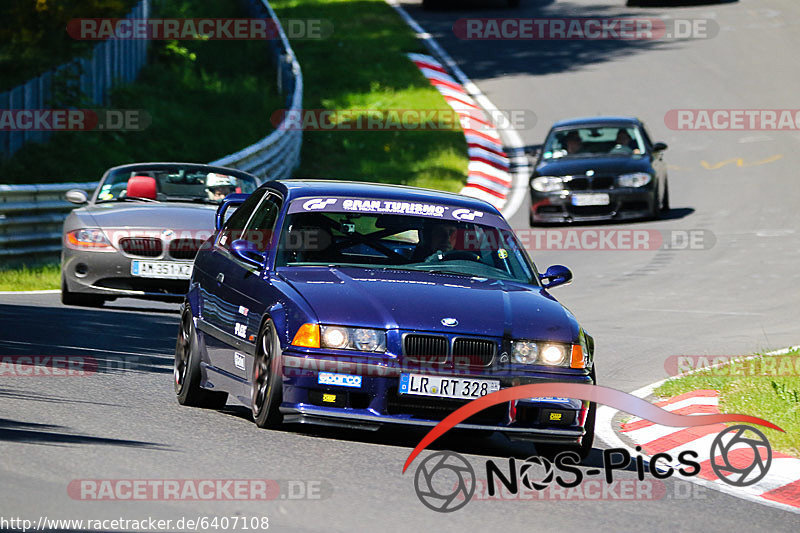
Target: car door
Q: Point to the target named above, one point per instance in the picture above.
(246, 291)
(218, 316)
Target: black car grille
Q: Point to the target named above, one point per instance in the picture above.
(594, 183)
(590, 210)
(439, 408)
(473, 352)
(142, 246)
(184, 248)
(430, 349)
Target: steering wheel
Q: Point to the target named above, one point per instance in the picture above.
(456, 255)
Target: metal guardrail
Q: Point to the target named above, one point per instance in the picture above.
(32, 216)
(112, 62)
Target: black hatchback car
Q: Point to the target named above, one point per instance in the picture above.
(599, 168)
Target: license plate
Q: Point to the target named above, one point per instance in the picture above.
(590, 199)
(161, 269)
(446, 386)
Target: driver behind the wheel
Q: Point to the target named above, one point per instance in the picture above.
(437, 239)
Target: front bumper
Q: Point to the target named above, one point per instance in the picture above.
(624, 203)
(377, 403)
(108, 274)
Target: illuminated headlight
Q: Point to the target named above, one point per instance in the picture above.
(540, 353)
(88, 239)
(553, 354)
(547, 184)
(637, 179)
(361, 339)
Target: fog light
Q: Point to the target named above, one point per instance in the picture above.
(81, 269)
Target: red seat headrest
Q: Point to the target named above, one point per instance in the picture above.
(142, 186)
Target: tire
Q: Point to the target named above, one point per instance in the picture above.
(76, 298)
(267, 389)
(665, 199)
(583, 449)
(187, 369)
(656, 213)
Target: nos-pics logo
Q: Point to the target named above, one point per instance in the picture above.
(445, 481)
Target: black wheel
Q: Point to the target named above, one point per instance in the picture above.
(583, 449)
(267, 386)
(656, 213)
(665, 199)
(76, 298)
(187, 369)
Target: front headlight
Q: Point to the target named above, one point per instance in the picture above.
(361, 339)
(637, 179)
(88, 239)
(540, 353)
(547, 184)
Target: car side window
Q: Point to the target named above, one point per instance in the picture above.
(646, 137)
(234, 226)
(260, 228)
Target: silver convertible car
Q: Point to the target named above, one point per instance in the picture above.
(138, 234)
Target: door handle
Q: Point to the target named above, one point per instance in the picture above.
(220, 277)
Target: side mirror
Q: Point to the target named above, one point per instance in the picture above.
(247, 252)
(556, 275)
(659, 147)
(76, 196)
(231, 199)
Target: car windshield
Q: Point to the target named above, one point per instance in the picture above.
(172, 184)
(405, 242)
(594, 141)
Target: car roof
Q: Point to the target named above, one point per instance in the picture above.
(597, 121)
(301, 188)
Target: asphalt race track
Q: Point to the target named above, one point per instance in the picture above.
(737, 297)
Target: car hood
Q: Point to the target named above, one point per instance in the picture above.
(175, 216)
(419, 301)
(600, 165)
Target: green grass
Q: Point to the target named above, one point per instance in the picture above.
(363, 65)
(206, 99)
(772, 394)
(33, 37)
(31, 278)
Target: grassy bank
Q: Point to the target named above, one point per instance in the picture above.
(33, 37)
(32, 278)
(206, 99)
(767, 387)
(363, 65)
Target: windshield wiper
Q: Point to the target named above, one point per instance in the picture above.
(129, 199)
(195, 200)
